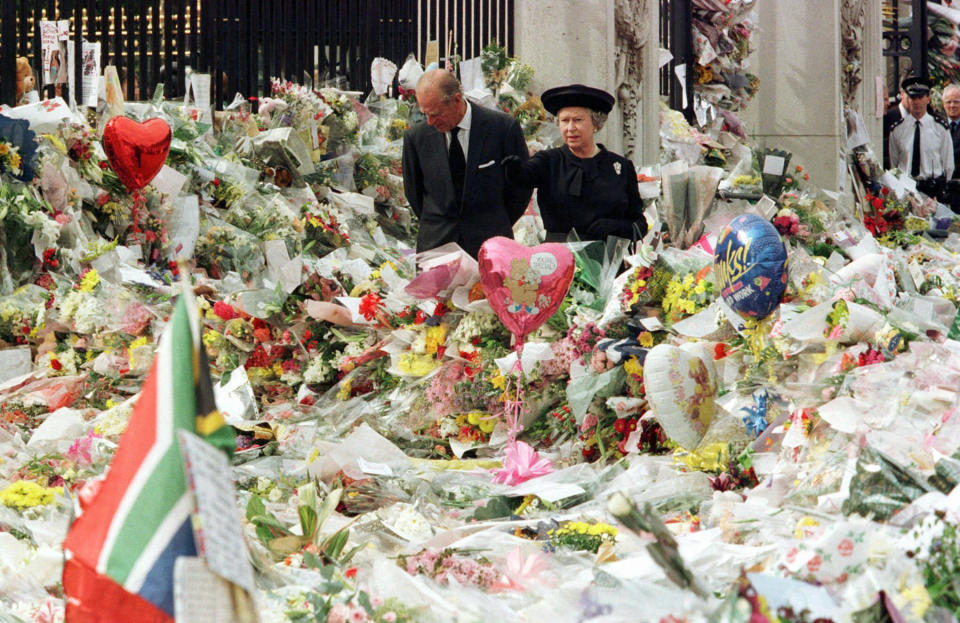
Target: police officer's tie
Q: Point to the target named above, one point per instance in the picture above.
(458, 165)
(915, 159)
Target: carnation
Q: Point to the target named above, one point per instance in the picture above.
(89, 316)
(318, 371)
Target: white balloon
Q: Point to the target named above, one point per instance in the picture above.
(680, 389)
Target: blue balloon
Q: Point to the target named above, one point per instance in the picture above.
(750, 264)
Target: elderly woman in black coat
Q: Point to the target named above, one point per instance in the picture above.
(581, 186)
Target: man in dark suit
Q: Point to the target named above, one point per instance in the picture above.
(951, 106)
(452, 174)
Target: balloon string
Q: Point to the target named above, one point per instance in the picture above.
(513, 408)
(756, 332)
(136, 210)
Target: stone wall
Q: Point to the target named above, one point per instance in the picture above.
(570, 41)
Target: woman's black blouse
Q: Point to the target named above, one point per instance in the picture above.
(596, 196)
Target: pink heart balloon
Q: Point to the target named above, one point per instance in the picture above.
(524, 285)
(136, 151)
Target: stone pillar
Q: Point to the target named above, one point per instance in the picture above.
(638, 78)
(798, 105)
(861, 63)
(874, 71)
(567, 42)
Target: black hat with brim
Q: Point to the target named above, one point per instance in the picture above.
(576, 95)
(915, 86)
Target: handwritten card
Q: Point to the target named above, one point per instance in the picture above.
(216, 520)
(199, 595)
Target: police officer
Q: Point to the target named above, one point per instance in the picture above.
(920, 143)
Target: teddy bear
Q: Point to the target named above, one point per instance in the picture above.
(523, 286)
(25, 80)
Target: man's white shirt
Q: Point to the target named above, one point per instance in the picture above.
(936, 147)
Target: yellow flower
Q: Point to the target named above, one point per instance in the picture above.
(632, 366)
(24, 494)
(15, 161)
(474, 417)
(140, 341)
(498, 380)
(345, 388)
(488, 425)
(646, 339)
(412, 364)
(710, 458)
(90, 281)
(803, 524)
(436, 336)
(211, 338)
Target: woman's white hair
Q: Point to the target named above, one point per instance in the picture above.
(598, 118)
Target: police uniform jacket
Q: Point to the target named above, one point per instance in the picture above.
(936, 147)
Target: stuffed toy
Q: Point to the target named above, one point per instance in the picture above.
(25, 80)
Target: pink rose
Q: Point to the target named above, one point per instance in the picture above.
(358, 615)
(389, 617)
(338, 613)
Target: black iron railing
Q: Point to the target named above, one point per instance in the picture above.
(245, 43)
(905, 40)
(676, 35)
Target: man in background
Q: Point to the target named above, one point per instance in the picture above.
(951, 106)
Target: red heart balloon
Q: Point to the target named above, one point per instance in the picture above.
(136, 151)
(524, 285)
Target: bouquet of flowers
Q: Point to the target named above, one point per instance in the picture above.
(378, 176)
(323, 226)
(450, 564)
(26, 230)
(223, 248)
(10, 160)
(582, 536)
(21, 314)
(18, 149)
(343, 122)
(687, 294)
(272, 221)
(890, 220)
